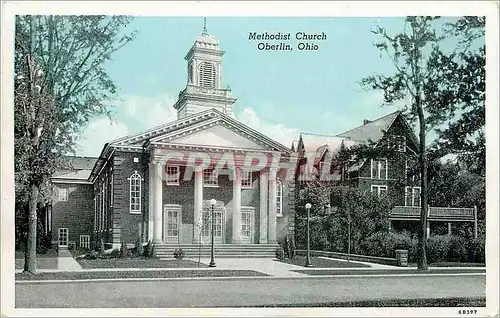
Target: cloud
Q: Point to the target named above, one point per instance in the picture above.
(132, 114)
(98, 132)
(277, 132)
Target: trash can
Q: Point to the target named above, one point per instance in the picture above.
(402, 257)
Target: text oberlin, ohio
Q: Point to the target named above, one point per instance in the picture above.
(280, 41)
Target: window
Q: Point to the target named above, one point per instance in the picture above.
(380, 190)
(190, 72)
(135, 193)
(210, 177)
(246, 179)
(85, 241)
(207, 75)
(412, 196)
(62, 194)
(173, 175)
(379, 169)
(63, 237)
(246, 224)
(279, 198)
(111, 186)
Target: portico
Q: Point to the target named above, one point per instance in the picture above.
(246, 201)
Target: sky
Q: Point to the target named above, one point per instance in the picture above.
(280, 93)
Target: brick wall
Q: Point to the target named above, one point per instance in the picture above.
(126, 225)
(76, 214)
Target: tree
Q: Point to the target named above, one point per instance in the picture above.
(418, 60)
(60, 83)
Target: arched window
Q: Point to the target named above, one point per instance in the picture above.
(135, 192)
(190, 73)
(279, 198)
(206, 76)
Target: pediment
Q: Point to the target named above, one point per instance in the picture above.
(217, 136)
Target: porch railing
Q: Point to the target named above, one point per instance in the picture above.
(435, 213)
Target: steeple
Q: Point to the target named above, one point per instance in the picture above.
(203, 89)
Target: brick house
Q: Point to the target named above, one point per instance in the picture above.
(396, 176)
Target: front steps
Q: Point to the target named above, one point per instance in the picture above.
(166, 251)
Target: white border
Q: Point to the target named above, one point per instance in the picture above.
(355, 8)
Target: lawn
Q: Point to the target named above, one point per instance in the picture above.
(137, 263)
(389, 271)
(451, 264)
(138, 274)
(300, 260)
(431, 302)
(47, 260)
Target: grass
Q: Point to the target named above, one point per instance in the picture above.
(137, 263)
(49, 254)
(430, 302)
(324, 262)
(137, 274)
(451, 264)
(388, 271)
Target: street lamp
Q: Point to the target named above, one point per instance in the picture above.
(308, 258)
(212, 262)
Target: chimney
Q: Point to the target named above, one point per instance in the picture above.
(366, 121)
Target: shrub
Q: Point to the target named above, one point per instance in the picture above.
(102, 248)
(291, 247)
(280, 253)
(115, 253)
(149, 250)
(91, 255)
(384, 244)
(438, 248)
(179, 254)
(139, 249)
(458, 249)
(477, 251)
(124, 251)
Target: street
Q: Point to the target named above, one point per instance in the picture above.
(242, 292)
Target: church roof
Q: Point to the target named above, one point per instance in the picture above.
(312, 142)
(75, 168)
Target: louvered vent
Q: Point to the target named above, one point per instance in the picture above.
(207, 75)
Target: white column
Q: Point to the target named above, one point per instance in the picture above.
(198, 201)
(475, 222)
(236, 205)
(151, 175)
(271, 227)
(46, 219)
(264, 194)
(158, 203)
(449, 228)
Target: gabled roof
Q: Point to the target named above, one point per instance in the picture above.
(312, 142)
(373, 130)
(195, 123)
(75, 168)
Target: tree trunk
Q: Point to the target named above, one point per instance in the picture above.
(422, 158)
(30, 252)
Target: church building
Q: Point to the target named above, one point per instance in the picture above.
(167, 183)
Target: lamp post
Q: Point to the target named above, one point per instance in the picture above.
(212, 262)
(308, 258)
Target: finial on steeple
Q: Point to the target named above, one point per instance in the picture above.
(205, 32)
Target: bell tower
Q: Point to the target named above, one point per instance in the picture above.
(203, 89)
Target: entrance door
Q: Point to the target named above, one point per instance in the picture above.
(172, 224)
(207, 223)
(247, 224)
(63, 237)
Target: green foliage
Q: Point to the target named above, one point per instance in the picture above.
(384, 244)
(179, 253)
(149, 250)
(279, 253)
(139, 249)
(124, 251)
(59, 84)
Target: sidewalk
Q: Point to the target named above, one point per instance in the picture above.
(66, 262)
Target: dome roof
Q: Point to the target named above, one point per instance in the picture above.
(207, 38)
